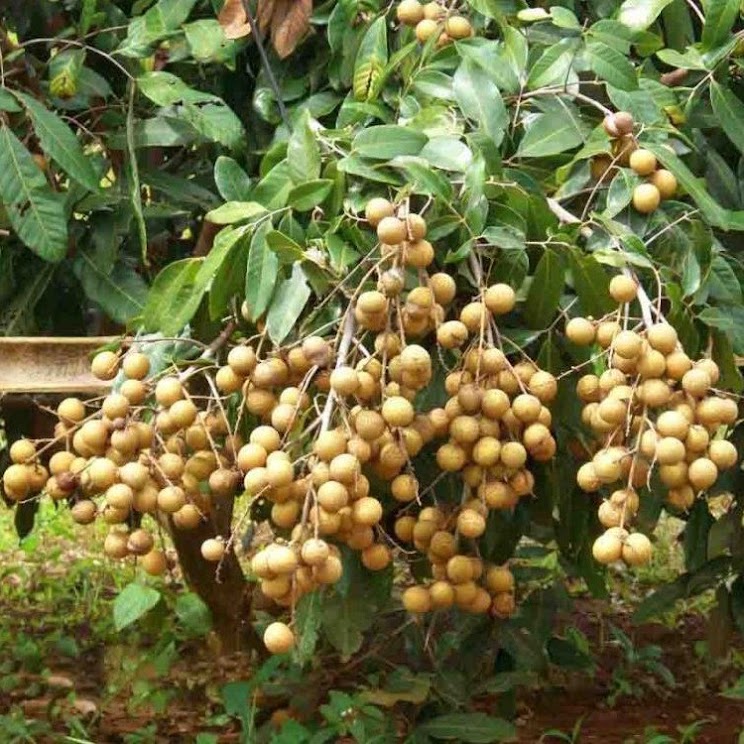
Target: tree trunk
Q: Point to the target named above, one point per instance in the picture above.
(224, 590)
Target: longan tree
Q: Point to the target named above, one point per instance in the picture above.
(470, 290)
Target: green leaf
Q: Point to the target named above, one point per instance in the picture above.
(229, 281)
(120, 291)
(286, 306)
(638, 15)
(491, 57)
(232, 181)
(480, 101)
(207, 42)
(722, 281)
(308, 616)
(729, 112)
(491, 8)
(235, 211)
(285, 248)
(474, 728)
(193, 614)
(273, 189)
(35, 212)
(310, 194)
(591, 283)
(387, 141)
(7, 102)
(171, 297)
(661, 600)
(59, 143)
(620, 193)
(261, 273)
(134, 601)
(447, 153)
(696, 535)
(370, 61)
(217, 122)
(545, 290)
(166, 89)
(611, 66)
(549, 134)
(303, 153)
(720, 16)
(516, 51)
(424, 180)
(553, 65)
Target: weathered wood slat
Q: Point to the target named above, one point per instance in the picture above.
(41, 364)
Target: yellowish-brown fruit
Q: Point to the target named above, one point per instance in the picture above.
(135, 365)
(154, 563)
(637, 549)
(242, 360)
(378, 208)
(366, 511)
(723, 454)
(458, 27)
(105, 365)
(278, 638)
(470, 523)
(702, 473)
(84, 512)
(444, 288)
(580, 331)
(643, 162)
(646, 198)
(171, 499)
(623, 122)
(212, 549)
(425, 29)
(315, 551)
(419, 254)
(665, 182)
(452, 334)
(607, 548)
(474, 316)
(587, 478)
(416, 599)
(669, 451)
(397, 411)
(115, 545)
(22, 451)
(376, 557)
(662, 337)
(71, 410)
(140, 542)
(391, 231)
(696, 382)
(344, 381)
(499, 299)
(627, 344)
(623, 288)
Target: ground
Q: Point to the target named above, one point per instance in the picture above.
(68, 675)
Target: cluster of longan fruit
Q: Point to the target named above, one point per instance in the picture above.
(652, 408)
(661, 184)
(433, 19)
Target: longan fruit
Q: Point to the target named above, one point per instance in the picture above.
(366, 511)
(168, 390)
(587, 478)
(115, 545)
(543, 386)
(723, 454)
(22, 451)
(344, 381)
(452, 334)
(135, 391)
(419, 254)
(526, 407)
(391, 231)
(627, 344)
(672, 424)
(105, 365)
(425, 29)
(580, 331)
(444, 288)
(607, 548)
(710, 367)
(315, 551)
(662, 337)
(606, 332)
(473, 316)
(102, 473)
(397, 411)
(669, 451)
(376, 557)
(135, 365)
(681, 498)
(643, 162)
(665, 182)
(242, 360)
(378, 208)
(470, 523)
(267, 437)
(623, 122)
(316, 350)
(458, 27)
(513, 455)
(499, 299)
(213, 548)
(71, 410)
(646, 198)
(623, 288)
(637, 549)
(278, 638)
(171, 499)
(416, 599)
(702, 473)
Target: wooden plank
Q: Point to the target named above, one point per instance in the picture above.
(41, 364)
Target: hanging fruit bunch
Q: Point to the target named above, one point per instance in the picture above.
(652, 410)
(434, 20)
(660, 184)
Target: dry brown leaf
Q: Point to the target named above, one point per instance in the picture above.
(234, 20)
(264, 14)
(290, 22)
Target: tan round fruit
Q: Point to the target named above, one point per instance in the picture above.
(391, 231)
(646, 198)
(580, 331)
(397, 411)
(665, 182)
(587, 478)
(315, 551)
(376, 557)
(242, 360)
(278, 638)
(696, 382)
(171, 499)
(22, 451)
(366, 511)
(723, 454)
(212, 549)
(643, 162)
(416, 599)
(474, 317)
(425, 29)
(623, 122)
(140, 542)
(344, 381)
(444, 288)
(135, 365)
(419, 254)
(84, 512)
(623, 288)
(628, 344)
(606, 331)
(702, 473)
(499, 579)
(470, 524)
(458, 27)
(637, 549)
(105, 365)
(499, 299)
(452, 334)
(115, 545)
(662, 337)
(154, 563)
(607, 548)
(378, 208)
(669, 451)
